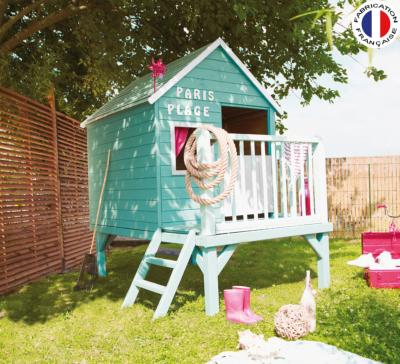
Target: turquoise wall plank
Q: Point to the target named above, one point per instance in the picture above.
(174, 193)
(137, 162)
(111, 214)
(130, 197)
(213, 75)
(129, 205)
(148, 151)
(132, 173)
(123, 120)
(125, 140)
(179, 216)
(125, 130)
(222, 66)
(120, 185)
(127, 149)
(180, 204)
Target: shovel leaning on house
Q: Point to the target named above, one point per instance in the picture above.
(88, 271)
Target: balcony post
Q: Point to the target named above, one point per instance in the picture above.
(205, 155)
(321, 204)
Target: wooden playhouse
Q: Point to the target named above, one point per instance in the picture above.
(145, 195)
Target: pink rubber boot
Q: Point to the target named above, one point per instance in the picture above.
(234, 307)
(246, 303)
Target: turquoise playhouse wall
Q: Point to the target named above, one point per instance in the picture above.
(130, 204)
(217, 73)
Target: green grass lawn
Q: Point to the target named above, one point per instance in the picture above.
(46, 322)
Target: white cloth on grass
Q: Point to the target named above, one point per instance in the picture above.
(293, 352)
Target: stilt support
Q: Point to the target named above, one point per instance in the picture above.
(101, 243)
(320, 244)
(211, 280)
(211, 264)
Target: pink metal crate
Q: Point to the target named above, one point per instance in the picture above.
(376, 243)
(383, 278)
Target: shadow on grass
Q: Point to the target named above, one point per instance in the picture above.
(258, 265)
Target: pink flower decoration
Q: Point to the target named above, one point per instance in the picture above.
(158, 68)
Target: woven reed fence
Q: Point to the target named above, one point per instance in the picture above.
(355, 187)
(43, 191)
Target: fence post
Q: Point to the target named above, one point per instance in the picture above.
(52, 104)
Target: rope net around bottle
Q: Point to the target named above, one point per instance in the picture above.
(209, 175)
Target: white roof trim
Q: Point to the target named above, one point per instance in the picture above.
(219, 42)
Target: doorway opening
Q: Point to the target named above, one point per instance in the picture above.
(239, 120)
(244, 121)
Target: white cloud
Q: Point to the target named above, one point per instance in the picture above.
(365, 120)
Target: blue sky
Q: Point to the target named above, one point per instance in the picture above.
(365, 120)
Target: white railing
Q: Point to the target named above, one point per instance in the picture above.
(281, 182)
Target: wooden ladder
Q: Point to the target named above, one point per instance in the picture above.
(178, 268)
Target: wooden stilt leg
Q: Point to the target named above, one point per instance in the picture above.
(320, 244)
(324, 278)
(211, 280)
(101, 242)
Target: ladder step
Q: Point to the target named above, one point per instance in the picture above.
(161, 262)
(173, 238)
(150, 286)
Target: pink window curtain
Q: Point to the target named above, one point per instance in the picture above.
(180, 139)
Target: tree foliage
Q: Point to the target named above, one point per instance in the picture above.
(90, 48)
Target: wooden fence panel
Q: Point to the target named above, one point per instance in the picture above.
(73, 177)
(355, 187)
(42, 159)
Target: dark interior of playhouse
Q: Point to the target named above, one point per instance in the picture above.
(244, 121)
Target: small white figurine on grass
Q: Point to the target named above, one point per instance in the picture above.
(308, 302)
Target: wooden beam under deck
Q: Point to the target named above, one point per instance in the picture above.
(170, 234)
(263, 234)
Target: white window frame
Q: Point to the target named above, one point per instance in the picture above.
(172, 126)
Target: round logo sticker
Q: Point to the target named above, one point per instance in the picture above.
(376, 24)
